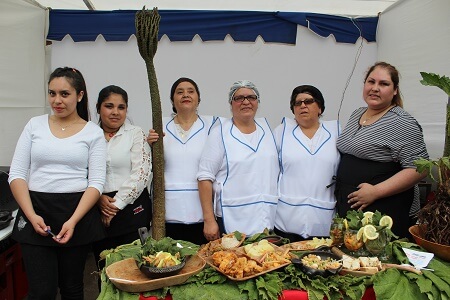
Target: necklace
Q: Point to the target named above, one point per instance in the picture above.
(183, 133)
(112, 133)
(368, 119)
(63, 128)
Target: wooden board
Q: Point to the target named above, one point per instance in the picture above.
(126, 276)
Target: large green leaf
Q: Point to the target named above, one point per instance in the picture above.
(431, 79)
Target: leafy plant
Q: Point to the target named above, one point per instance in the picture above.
(435, 215)
(442, 82)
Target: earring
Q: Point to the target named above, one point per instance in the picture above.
(79, 100)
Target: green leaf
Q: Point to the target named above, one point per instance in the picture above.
(390, 284)
(431, 79)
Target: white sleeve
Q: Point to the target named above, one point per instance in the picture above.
(213, 154)
(97, 162)
(137, 181)
(20, 164)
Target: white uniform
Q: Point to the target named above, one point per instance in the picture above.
(246, 188)
(307, 201)
(182, 156)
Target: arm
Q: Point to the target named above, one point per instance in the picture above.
(367, 193)
(19, 189)
(210, 164)
(211, 229)
(411, 148)
(88, 200)
(18, 174)
(139, 175)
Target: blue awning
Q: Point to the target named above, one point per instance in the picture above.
(183, 25)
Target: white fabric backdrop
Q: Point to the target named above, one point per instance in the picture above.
(275, 69)
(22, 70)
(414, 35)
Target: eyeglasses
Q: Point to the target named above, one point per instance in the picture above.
(306, 102)
(240, 99)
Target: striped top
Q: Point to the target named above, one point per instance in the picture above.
(395, 137)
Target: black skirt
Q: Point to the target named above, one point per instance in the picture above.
(56, 209)
(353, 171)
(132, 216)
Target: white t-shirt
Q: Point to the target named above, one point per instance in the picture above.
(53, 165)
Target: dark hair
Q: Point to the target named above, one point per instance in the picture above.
(174, 87)
(105, 93)
(395, 77)
(76, 80)
(310, 90)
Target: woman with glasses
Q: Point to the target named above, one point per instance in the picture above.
(379, 146)
(239, 169)
(309, 160)
(185, 136)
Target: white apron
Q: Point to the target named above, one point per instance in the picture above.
(306, 204)
(247, 192)
(180, 170)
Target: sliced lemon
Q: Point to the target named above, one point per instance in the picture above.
(360, 234)
(386, 221)
(368, 215)
(370, 232)
(365, 221)
(346, 224)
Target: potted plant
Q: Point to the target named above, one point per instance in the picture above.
(433, 230)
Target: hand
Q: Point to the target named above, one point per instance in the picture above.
(152, 137)
(106, 220)
(107, 208)
(39, 225)
(363, 197)
(211, 230)
(66, 233)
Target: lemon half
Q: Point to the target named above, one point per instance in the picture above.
(386, 221)
(370, 232)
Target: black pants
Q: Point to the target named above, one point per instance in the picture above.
(48, 268)
(186, 232)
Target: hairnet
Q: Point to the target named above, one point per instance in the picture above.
(242, 84)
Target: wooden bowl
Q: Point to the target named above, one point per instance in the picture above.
(441, 251)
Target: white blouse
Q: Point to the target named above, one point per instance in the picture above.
(127, 164)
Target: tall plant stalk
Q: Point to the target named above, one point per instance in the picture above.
(147, 27)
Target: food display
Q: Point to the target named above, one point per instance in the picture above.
(162, 259)
(369, 229)
(308, 244)
(363, 263)
(249, 261)
(227, 241)
(317, 262)
(337, 231)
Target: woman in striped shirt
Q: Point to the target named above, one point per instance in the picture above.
(378, 147)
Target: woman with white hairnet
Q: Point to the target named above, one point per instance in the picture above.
(239, 169)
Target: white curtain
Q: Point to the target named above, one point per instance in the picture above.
(414, 35)
(23, 28)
